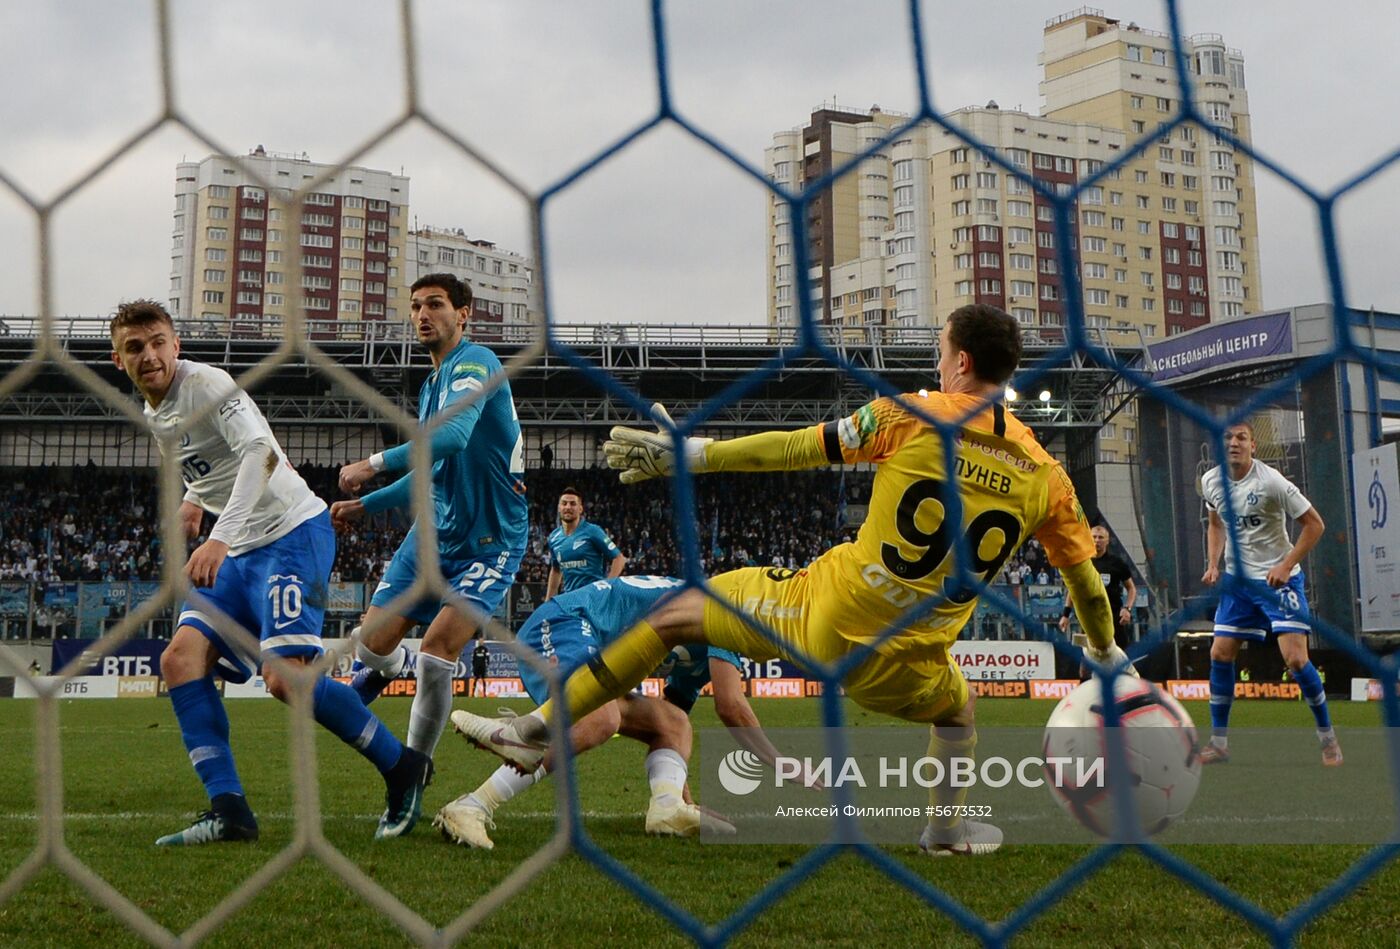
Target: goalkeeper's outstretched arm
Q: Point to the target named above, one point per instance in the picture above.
(767, 451)
(641, 454)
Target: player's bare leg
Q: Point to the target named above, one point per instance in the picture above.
(662, 727)
(1294, 648)
(378, 646)
(467, 819)
(521, 742)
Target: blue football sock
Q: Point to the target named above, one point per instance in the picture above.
(337, 707)
(1222, 694)
(1311, 683)
(204, 726)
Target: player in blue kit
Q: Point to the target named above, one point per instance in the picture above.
(568, 631)
(479, 509)
(265, 566)
(579, 550)
(688, 669)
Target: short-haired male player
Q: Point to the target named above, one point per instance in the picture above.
(580, 551)
(1009, 488)
(265, 566)
(479, 509)
(1273, 604)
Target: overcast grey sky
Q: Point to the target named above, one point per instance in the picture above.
(667, 230)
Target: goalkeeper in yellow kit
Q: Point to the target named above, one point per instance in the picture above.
(1009, 489)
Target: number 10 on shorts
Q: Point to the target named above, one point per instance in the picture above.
(286, 600)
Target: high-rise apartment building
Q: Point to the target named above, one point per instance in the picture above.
(501, 280)
(1101, 71)
(926, 223)
(236, 248)
(845, 222)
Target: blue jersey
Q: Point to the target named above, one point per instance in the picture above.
(689, 671)
(569, 630)
(479, 502)
(583, 556)
(611, 607)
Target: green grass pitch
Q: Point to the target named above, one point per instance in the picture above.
(127, 780)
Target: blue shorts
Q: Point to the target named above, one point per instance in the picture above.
(483, 580)
(686, 679)
(277, 592)
(1253, 613)
(565, 641)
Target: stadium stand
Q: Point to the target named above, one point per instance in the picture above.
(745, 521)
(68, 534)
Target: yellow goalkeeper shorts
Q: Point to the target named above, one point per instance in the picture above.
(785, 602)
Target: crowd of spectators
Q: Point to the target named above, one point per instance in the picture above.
(1030, 565)
(78, 524)
(95, 524)
(63, 524)
(741, 520)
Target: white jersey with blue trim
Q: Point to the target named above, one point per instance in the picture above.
(1261, 502)
(211, 452)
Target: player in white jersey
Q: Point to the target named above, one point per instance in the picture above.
(1263, 590)
(264, 567)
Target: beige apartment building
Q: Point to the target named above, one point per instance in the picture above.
(926, 223)
(502, 281)
(240, 263)
(1101, 71)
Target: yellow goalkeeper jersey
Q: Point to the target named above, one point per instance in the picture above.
(1009, 488)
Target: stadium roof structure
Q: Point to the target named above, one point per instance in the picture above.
(682, 366)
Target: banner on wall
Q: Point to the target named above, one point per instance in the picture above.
(1375, 481)
(146, 686)
(1188, 690)
(78, 687)
(135, 657)
(1368, 690)
(14, 599)
(1230, 343)
(1002, 659)
(345, 598)
(101, 605)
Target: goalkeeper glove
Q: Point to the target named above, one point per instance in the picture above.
(1111, 657)
(641, 455)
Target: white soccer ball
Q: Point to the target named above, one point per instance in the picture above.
(1160, 748)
